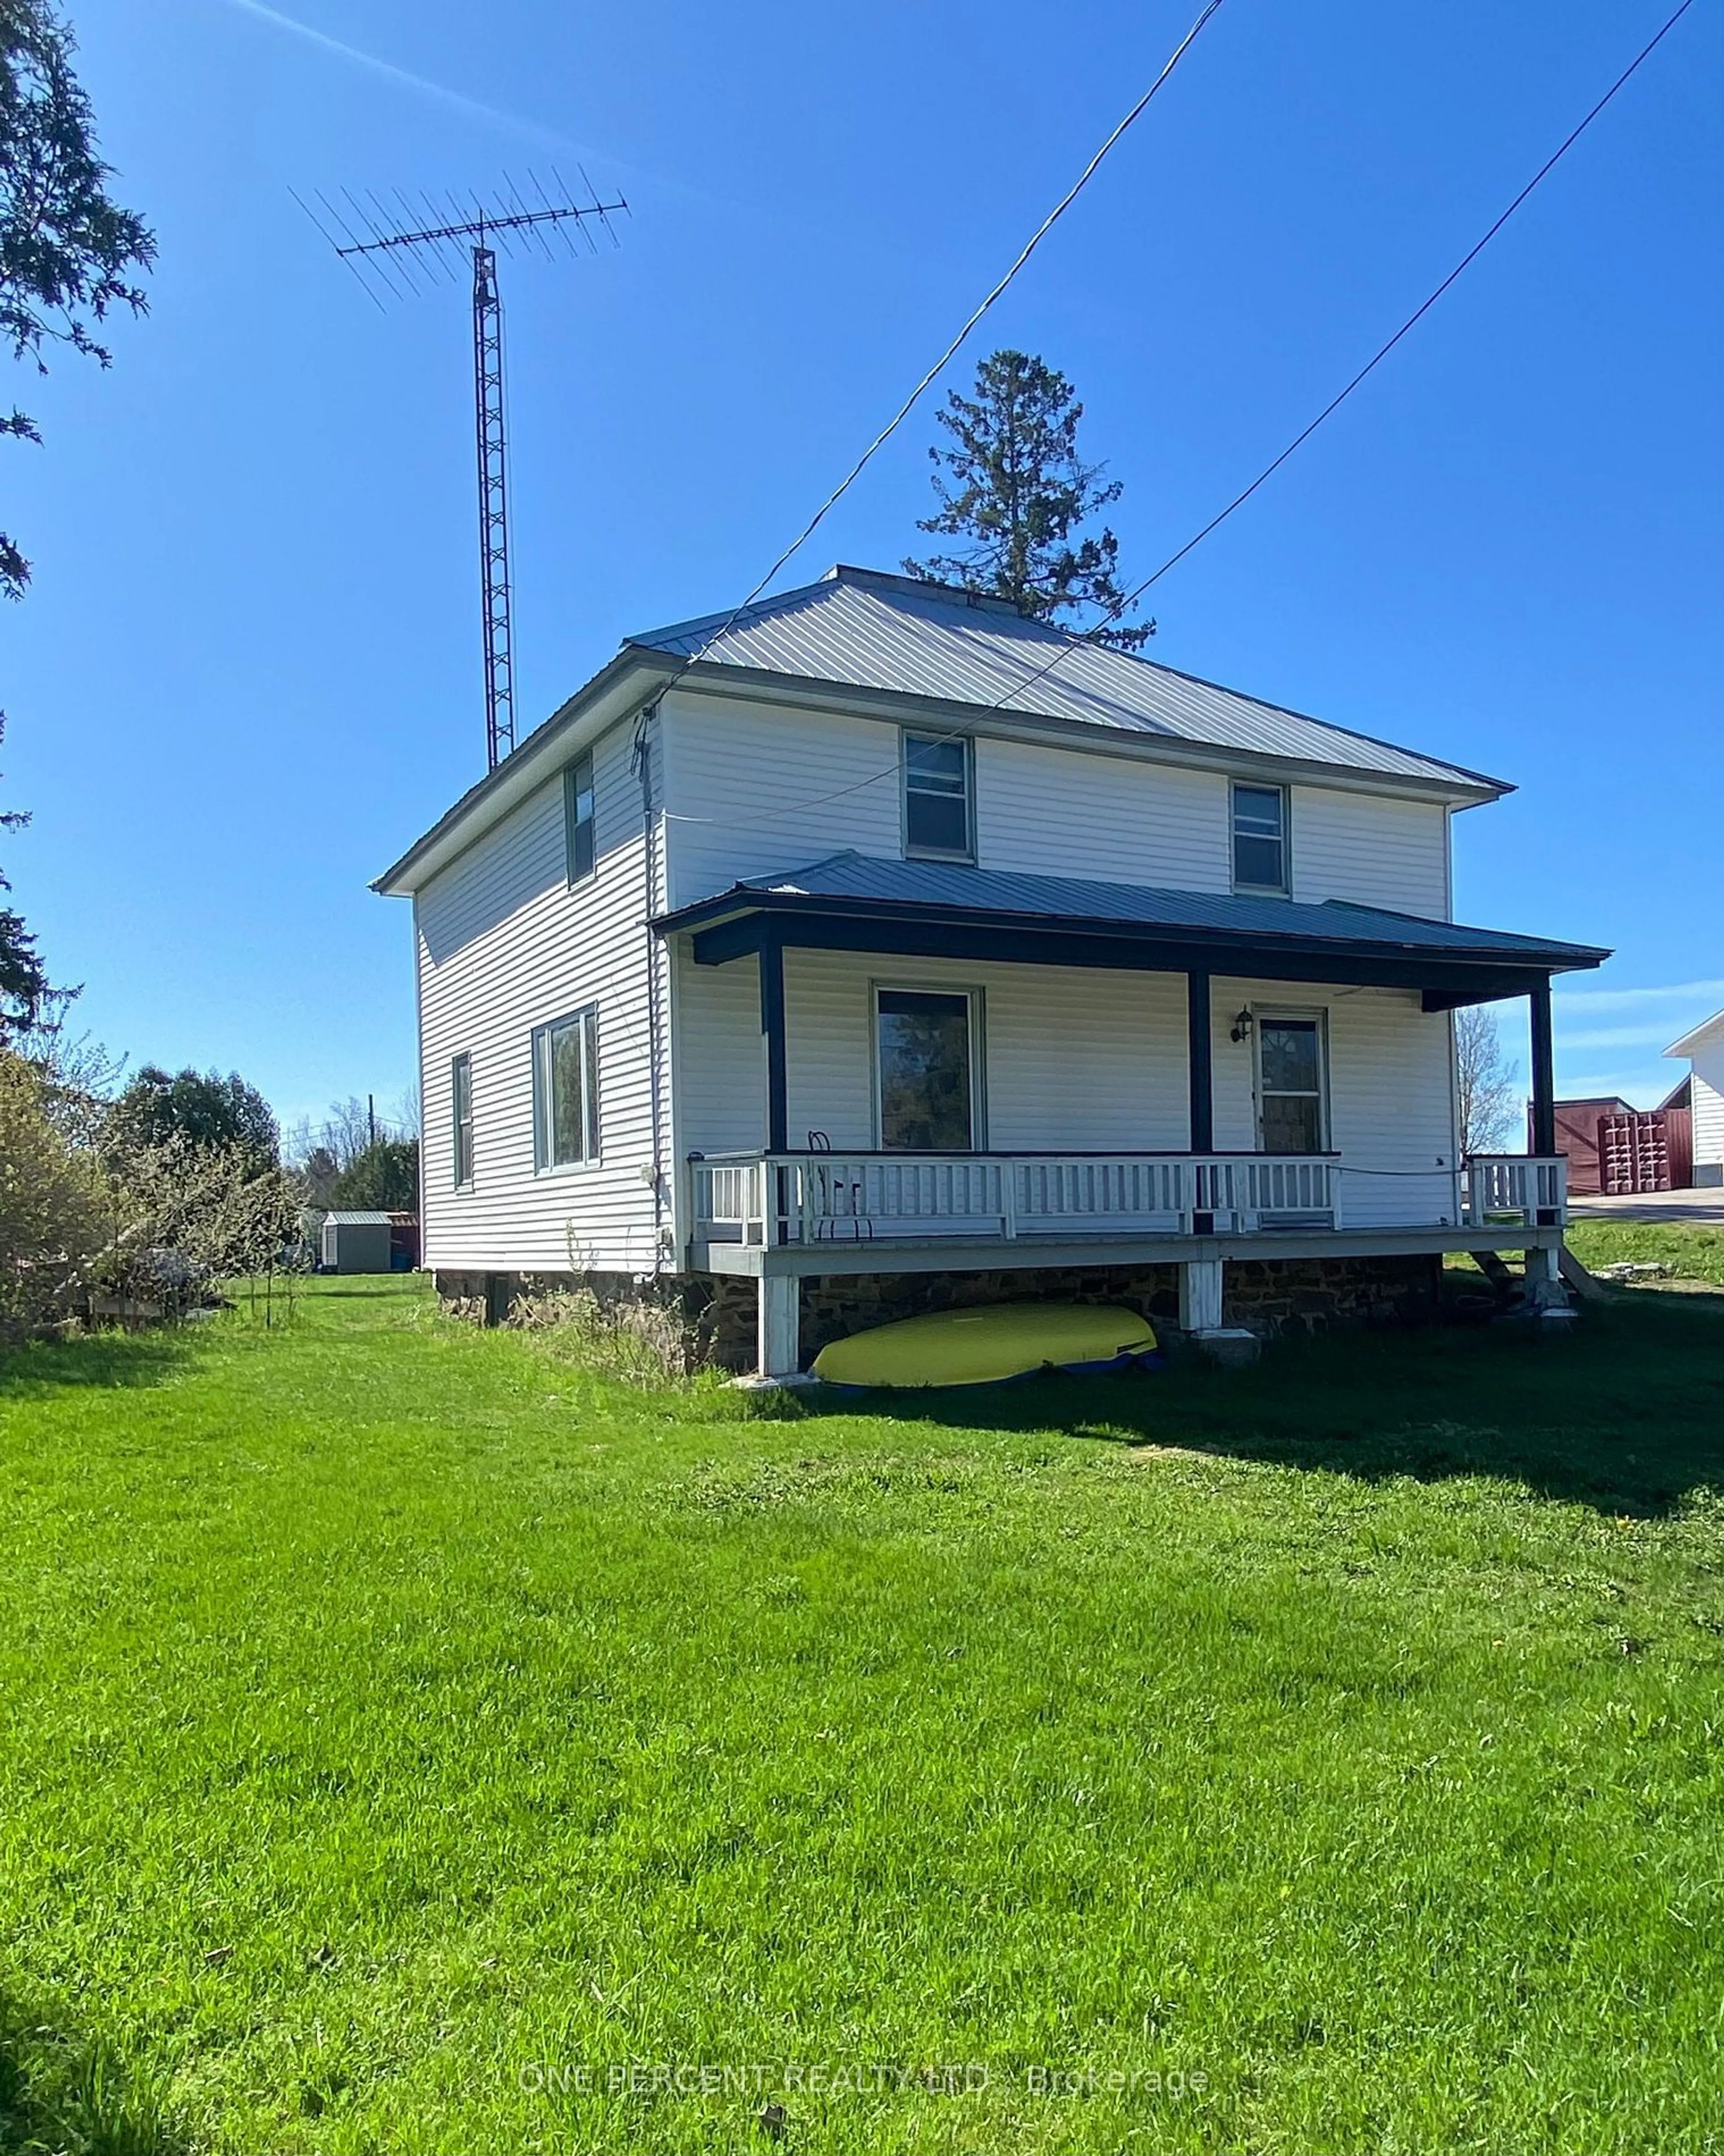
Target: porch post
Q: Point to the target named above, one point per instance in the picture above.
(1544, 1093)
(1199, 1059)
(778, 1340)
(1544, 1078)
(1200, 1295)
(771, 1025)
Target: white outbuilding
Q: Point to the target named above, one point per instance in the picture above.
(1704, 1048)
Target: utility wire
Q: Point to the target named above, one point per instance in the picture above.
(1086, 640)
(998, 291)
(1382, 353)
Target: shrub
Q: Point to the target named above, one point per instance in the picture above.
(641, 1340)
(54, 1214)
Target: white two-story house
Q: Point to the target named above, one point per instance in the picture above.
(884, 944)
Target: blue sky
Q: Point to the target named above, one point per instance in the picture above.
(248, 672)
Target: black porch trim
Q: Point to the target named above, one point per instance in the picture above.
(925, 911)
(1445, 981)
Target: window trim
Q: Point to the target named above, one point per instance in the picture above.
(1284, 889)
(976, 999)
(1264, 1014)
(461, 1127)
(914, 853)
(585, 1016)
(573, 825)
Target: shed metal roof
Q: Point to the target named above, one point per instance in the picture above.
(868, 630)
(360, 1219)
(855, 881)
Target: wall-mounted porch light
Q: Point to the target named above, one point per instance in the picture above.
(1242, 1026)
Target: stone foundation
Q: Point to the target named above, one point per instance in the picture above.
(1269, 1296)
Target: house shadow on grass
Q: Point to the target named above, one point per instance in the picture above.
(97, 1359)
(68, 2094)
(1625, 1414)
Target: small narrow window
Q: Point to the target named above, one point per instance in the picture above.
(926, 1070)
(577, 817)
(565, 1091)
(1259, 838)
(937, 819)
(461, 1110)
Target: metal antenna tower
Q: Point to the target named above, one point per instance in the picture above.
(388, 247)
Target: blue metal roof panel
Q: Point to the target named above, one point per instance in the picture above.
(866, 630)
(856, 877)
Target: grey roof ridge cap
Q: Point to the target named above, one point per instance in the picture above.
(652, 639)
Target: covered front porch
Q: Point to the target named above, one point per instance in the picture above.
(938, 1048)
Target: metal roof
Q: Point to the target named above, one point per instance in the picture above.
(868, 630)
(857, 882)
(360, 1219)
(1695, 1035)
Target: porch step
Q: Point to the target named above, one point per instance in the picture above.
(1507, 1284)
(1576, 1276)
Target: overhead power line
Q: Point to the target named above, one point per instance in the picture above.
(1086, 641)
(996, 292)
(1375, 360)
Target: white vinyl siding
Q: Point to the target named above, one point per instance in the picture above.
(754, 788)
(1391, 1107)
(505, 946)
(757, 789)
(1084, 1060)
(1075, 1058)
(1707, 1093)
(1061, 812)
(1370, 849)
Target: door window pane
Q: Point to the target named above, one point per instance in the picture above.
(936, 795)
(1292, 1123)
(924, 1075)
(1260, 837)
(1291, 1076)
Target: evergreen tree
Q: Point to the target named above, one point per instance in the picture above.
(23, 983)
(65, 246)
(384, 1178)
(205, 1110)
(1015, 488)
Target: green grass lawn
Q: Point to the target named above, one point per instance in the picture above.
(412, 1739)
(1696, 1253)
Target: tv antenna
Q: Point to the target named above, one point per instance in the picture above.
(392, 249)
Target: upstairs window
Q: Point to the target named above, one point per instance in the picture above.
(937, 818)
(577, 817)
(461, 1112)
(1259, 838)
(565, 1091)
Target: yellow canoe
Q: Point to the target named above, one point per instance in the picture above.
(988, 1344)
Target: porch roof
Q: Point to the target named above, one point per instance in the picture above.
(851, 901)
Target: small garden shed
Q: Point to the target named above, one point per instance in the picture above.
(356, 1243)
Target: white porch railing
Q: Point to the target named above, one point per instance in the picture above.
(776, 1198)
(1501, 1190)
